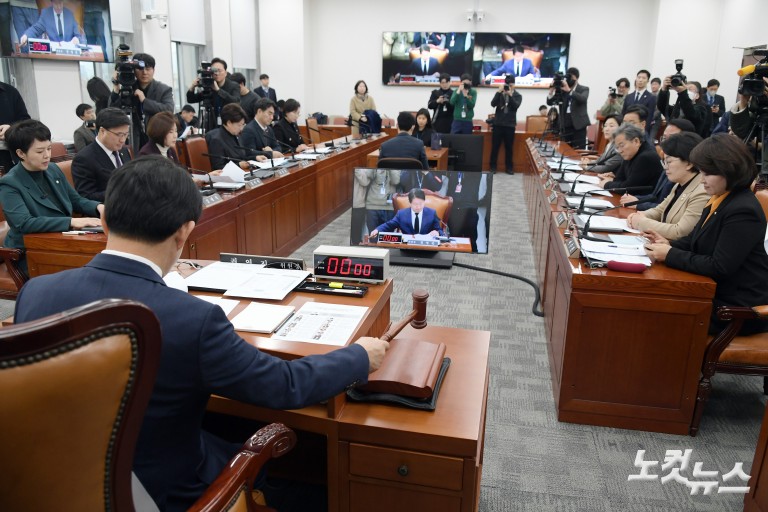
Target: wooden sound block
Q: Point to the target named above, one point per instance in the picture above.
(635, 268)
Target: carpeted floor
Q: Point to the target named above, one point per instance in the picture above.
(532, 461)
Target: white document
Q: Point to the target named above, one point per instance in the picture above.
(629, 240)
(645, 260)
(174, 280)
(555, 162)
(590, 202)
(604, 223)
(612, 249)
(268, 283)
(319, 149)
(186, 132)
(587, 188)
(307, 156)
(227, 305)
(326, 324)
(223, 185)
(232, 172)
(220, 276)
(263, 318)
(572, 176)
(267, 164)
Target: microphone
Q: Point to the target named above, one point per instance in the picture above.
(572, 191)
(207, 189)
(289, 148)
(624, 190)
(370, 129)
(746, 70)
(346, 140)
(585, 230)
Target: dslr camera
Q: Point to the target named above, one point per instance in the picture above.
(612, 93)
(678, 78)
(125, 65)
(753, 84)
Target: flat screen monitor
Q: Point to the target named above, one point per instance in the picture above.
(455, 215)
(57, 29)
(418, 58)
(465, 152)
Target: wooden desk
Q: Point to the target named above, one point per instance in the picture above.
(625, 350)
(367, 444)
(437, 158)
(275, 218)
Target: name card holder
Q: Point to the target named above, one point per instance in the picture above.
(553, 197)
(255, 182)
(211, 199)
(282, 172)
(267, 261)
(561, 219)
(571, 247)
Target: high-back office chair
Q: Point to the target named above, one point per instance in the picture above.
(196, 146)
(11, 276)
(441, 204)
(439, 54)
(536, 124)
(66, 168)
(58, 151)
(728, 353)
(399, 163)
(181, 152)
(73, 388)
(314, 131)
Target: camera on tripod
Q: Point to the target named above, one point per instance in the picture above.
(753, 84)
(125, 66)
(205, 76)
(612, 92)
(678, 78)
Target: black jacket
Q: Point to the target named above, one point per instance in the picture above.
(506, 108)
(254, 138)
(221, 143)
(92, 168)
(642, 170)
(697, 113)
(404, 146)
(424, 136)
(443, 117)
(729, 249)
(287, 133)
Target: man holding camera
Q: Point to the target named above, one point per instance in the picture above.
(223, 91)
(615, 102)
(463, 101)
(440, 102)
(507, 100)
(746, 113)
(150, 96)
(574, 97)
(86, 133)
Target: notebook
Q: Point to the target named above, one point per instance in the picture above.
(262, 318)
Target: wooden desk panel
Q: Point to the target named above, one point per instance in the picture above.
(437, 158)
(625, 350)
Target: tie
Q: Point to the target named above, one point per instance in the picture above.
(60, 27)
(517, 69)
(118, 162)
(425, 67)
(637, 97)
(416, 227)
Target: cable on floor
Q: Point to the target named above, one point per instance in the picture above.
(536, 291)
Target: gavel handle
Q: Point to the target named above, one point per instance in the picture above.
(394, 330)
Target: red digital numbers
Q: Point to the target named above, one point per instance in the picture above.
(345, 267)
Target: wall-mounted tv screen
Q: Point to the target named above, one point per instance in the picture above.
(453, 214)
(56, 29)
(418, 58)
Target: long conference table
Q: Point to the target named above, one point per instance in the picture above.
(274, 218)
(625, 350)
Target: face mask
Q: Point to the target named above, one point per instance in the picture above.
(570, 81)
(692, 95)
(711, 94)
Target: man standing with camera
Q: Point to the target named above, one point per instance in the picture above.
(507, 100)
(220, 91)
(574, 98)
(440, 102)
(463, 101)
(150, 96)
(615, 102)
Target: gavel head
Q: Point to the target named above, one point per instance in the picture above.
(420, 297)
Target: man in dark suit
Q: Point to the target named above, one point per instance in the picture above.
(416, 220)
(641, 96)
(425, 64)
(187, 119)
(519, 66)
(403, 145)
(715, 101)
(265, 91)
(258, 134)
(440, 102)
(224, 92)
(640, 166)
(86, 133)
(93, 166)
(58, 23)
(201, 354)
(575, 98)
(248, 98)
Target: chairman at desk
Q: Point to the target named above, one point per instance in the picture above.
(727, 242)
(416, 220)
(201, 352)
(58, 23)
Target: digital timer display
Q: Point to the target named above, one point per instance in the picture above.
(346, 267)
(390, 238)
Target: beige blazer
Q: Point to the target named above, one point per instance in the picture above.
(683, 215)
(356, 109)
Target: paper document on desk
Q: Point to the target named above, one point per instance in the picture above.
(630, 240)
(230, 173)
(268, 283)
(267, 164)
(319, 149)
(262, 318)
(319, 322)
(220, 276)
(590, 202)
(603, 223)
(588, 188)
(572, 176)
(227, 305)
(645, 260)
(307, 156)
(612, 249)
(555, 162)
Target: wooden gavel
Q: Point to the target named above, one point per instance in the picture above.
(417, 317)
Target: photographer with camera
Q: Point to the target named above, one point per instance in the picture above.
(567, 91)
(689, 105)
(749, 117)
(86, 133)
(135, 88)
(615, 102)
(440, 103)
(507, 100)
(463, 101)
(212, 89)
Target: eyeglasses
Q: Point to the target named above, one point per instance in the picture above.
(217, 70)
(121, 135)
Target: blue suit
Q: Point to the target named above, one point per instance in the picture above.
(428, 221)
(508, 68)
(404, 146)
(46, 23)
(201, 355)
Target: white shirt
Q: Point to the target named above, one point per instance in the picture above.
(135, 257)
(108, 152)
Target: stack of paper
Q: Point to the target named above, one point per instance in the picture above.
(573, 176)
(245, 280)
(584, 188)
(602, 251)
(268, 164)
(590, 202)
(317, 322)
(605, 223)
(263, 318)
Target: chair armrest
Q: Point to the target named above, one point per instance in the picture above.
(12, 257)
(235, 481)
(742, 313)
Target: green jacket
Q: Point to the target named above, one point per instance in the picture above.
(28, 210)
(462, 104)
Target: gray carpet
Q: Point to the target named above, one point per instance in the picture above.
(532, 461)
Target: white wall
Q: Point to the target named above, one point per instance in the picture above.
(58, 93)
(283, 51)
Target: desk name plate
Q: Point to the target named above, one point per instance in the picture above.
(571, 248)
(255, 182)
(267, 261)
(211, 199)
(553, 197)
(282, 172)
(561, 219)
